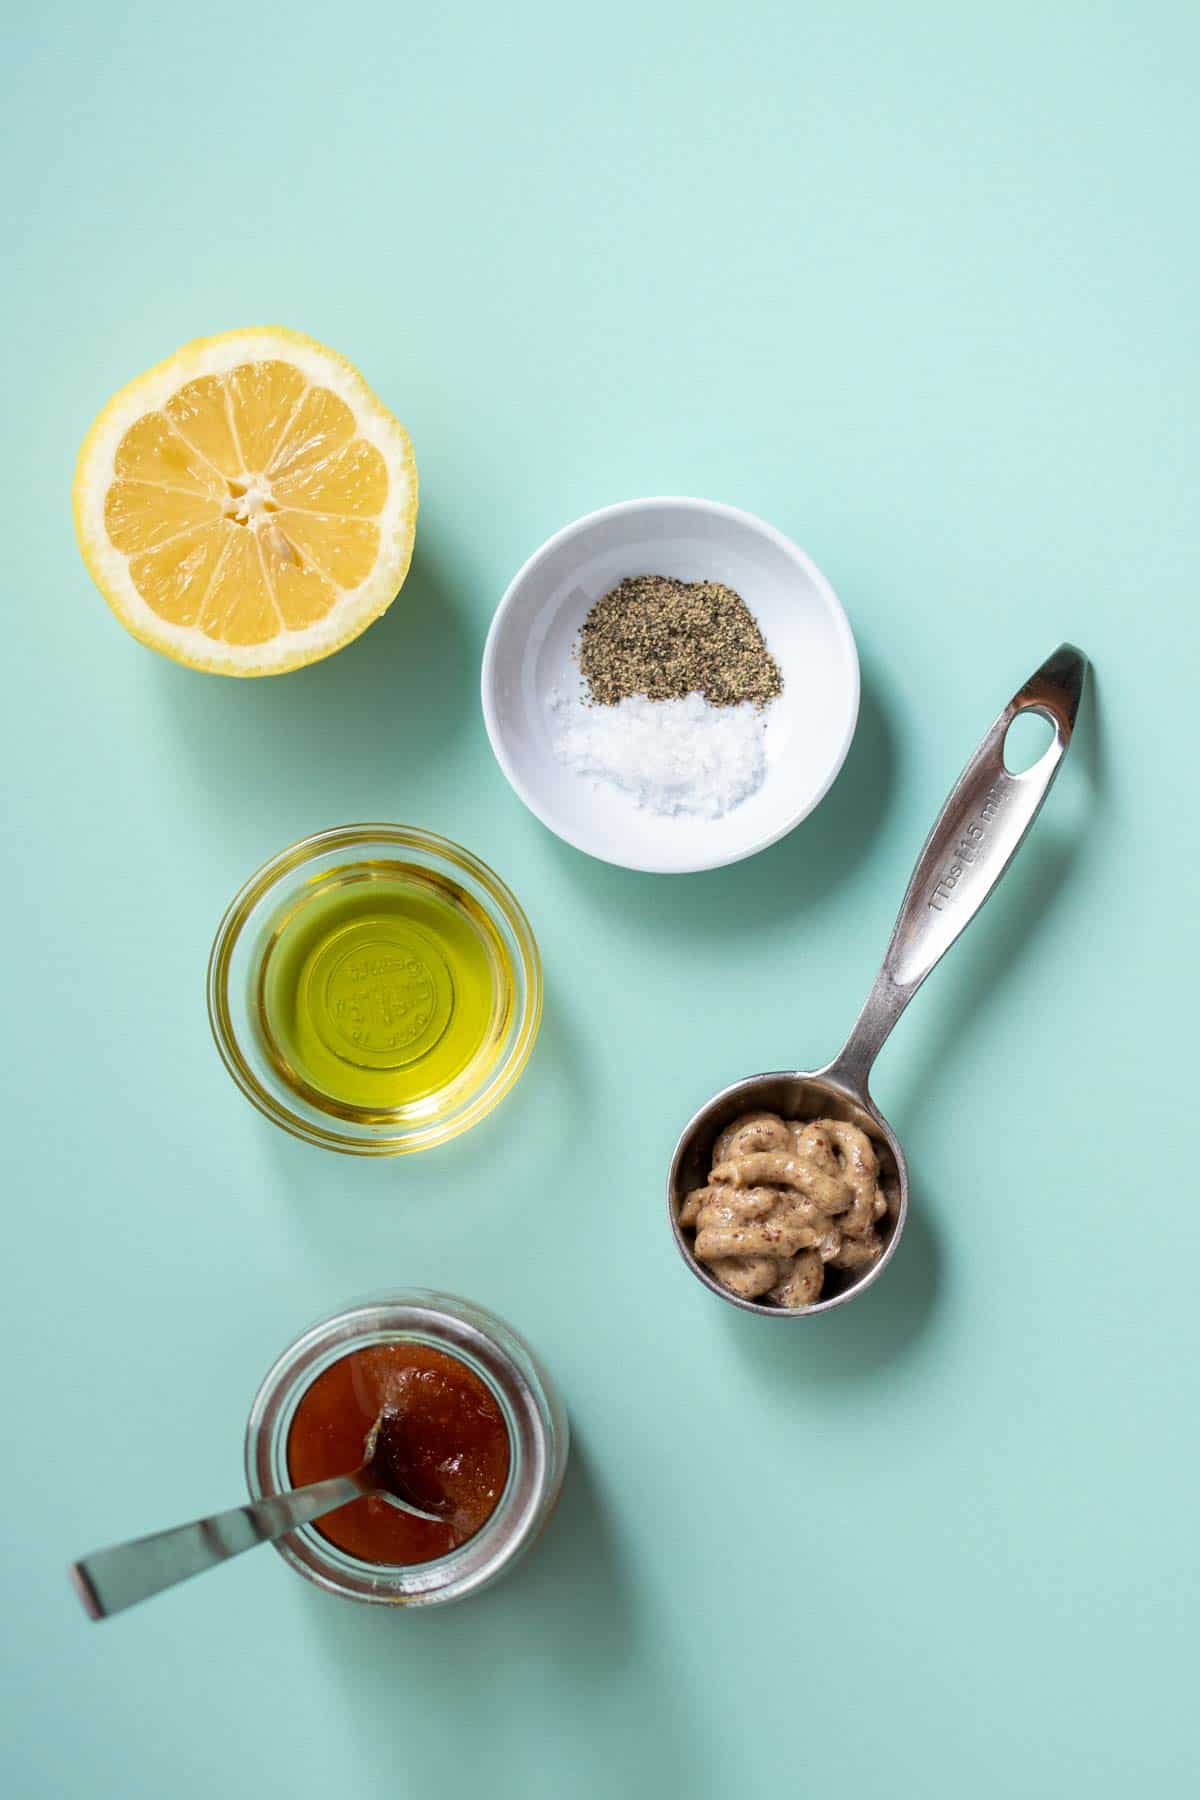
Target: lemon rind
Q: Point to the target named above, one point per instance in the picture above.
(355, 609)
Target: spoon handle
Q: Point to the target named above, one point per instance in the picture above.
(976, 836)
(110, 1580)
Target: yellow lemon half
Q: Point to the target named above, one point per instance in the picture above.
(248, 506)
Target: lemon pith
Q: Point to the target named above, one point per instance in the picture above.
(247, 506)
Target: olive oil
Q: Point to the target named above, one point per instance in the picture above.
(384, 990)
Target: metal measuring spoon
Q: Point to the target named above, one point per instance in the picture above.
(975, 838)
(110, 1580)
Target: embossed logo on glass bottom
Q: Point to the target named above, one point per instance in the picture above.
(385, 997)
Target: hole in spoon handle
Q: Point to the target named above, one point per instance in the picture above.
(975, 837)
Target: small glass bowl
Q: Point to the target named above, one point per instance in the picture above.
(237, 957)
(537, 1430)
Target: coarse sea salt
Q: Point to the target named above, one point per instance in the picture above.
(673, 756)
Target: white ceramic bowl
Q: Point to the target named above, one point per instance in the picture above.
(529, 656)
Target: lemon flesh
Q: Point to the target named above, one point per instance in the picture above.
(248, 506)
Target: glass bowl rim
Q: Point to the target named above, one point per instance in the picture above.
(528, 967)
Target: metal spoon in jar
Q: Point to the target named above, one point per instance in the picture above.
(975, 838)
(110, 1580)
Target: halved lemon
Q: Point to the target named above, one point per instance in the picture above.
(248, 506)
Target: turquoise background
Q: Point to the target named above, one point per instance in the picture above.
(920, 285)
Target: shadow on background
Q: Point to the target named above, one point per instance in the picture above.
(406, 685)
(576, 1571)
(1008, 927)
(549, 1106)
(812, 861)
(1089, 745)
(569, 1609)
(842, 1348)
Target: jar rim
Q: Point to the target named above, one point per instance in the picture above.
(533, 1415)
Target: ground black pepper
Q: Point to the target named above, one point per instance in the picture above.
(662, 638)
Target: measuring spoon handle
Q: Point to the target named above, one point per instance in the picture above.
(976, 836)
(110, 1580)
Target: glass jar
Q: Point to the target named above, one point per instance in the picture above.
(249, 933)
(532, 1412)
